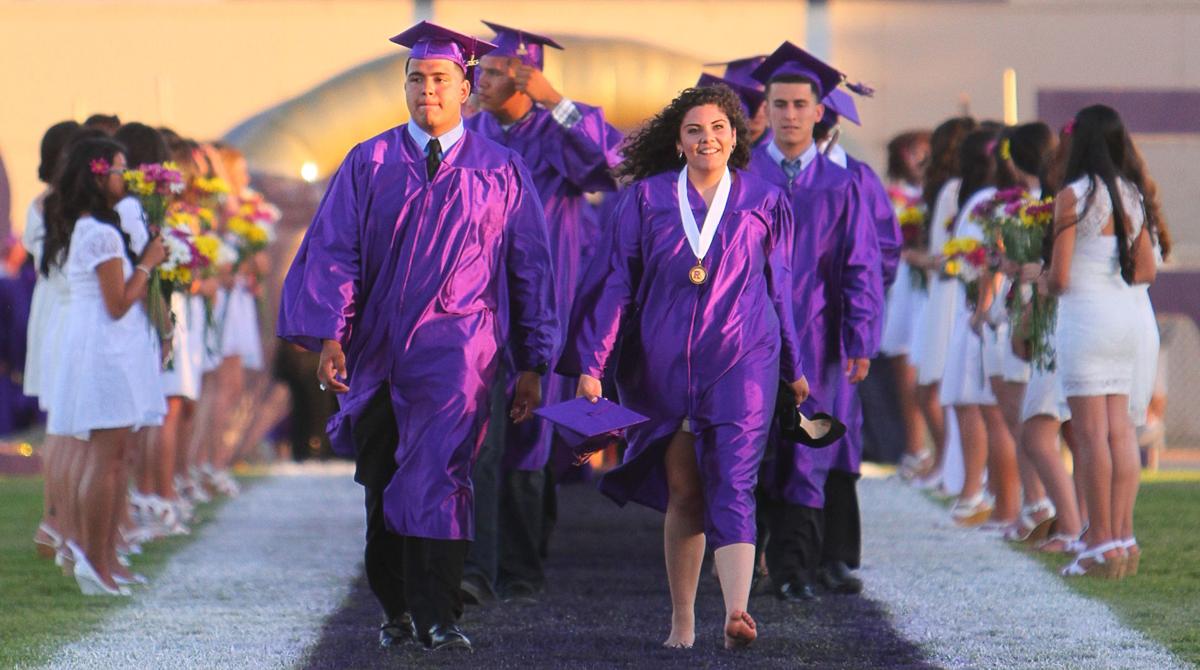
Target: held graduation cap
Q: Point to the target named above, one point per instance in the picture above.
(589, 427)
(751, 98)
(430, 41)
(526, 46)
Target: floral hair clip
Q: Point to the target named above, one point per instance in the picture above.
(991, 147)
(1006, 150)
(1069, 129)
(99, 167)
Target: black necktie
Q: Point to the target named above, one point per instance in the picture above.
(433, 157)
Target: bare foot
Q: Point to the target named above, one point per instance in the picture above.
(681, 637)
(740, 630)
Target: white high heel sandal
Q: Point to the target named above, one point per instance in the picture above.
(88, 580)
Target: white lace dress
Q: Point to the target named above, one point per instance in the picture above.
(107, 376)
(51, 295)
(1101, 319)
(237, 318)
(931, 332)
(965, 381)
(182, 377)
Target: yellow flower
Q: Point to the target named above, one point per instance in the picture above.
(953, 268)
(911, 216)
(135, 181)
(214, 185)
(208, 245)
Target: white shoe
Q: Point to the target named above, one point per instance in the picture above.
(87, 578)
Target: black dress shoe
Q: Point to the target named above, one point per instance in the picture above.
(447, 638)
(837, 578)
(796, 592)
(475, 590)
(520, 592)
(397, 632)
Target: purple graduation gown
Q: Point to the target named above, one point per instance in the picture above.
(879, 206)
(416, 279)
(712, 353)
(565, 163)
(837, 267)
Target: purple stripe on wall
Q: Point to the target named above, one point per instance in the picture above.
(1159, 110)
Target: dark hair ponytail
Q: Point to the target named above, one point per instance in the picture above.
(977, 161)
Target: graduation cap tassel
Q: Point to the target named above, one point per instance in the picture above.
(861, 89)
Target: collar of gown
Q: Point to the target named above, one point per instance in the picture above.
(806, 158)
(447, 139)
(837, 154)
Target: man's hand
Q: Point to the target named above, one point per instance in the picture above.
(857, 369)
(589, 387)
(527, 397)
(332, 366)
(800, 390)
(533, 83)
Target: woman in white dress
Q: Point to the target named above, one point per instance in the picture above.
(986, 440)
(931, 327)
(107, 385)
(907, 154)
(1105, 235)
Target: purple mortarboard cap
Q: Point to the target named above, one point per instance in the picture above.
(791, 59)
(739, 70)
(527, 46)
(429, 41)
(751, 98)
(589, 427)
(840, 103)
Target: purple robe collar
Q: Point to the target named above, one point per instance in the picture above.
(447, 139)
(806, 158)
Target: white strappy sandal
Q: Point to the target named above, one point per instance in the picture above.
(1099, 565)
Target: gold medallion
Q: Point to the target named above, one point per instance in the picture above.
(698, 274)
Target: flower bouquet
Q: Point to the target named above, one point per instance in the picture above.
(966, 259)
(156, 186)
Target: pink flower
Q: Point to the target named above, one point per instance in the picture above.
(99, 167)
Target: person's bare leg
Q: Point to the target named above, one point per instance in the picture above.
(906, 397)
(43, 541)
(145, 462)
(120, 490)
(973, 434)
(167, 448)
(683, 537)
(1089, 419)
(196, 426)
(1039, 443)
(735, 568)
(1126, 465)
(1068, 435)
(98, 501)
(1009, 396)
(1003, 480)
(233, 383)
(935, 419)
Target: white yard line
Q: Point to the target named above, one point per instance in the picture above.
(252, 591)
(972, 602)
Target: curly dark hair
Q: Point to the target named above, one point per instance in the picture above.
(651, 149)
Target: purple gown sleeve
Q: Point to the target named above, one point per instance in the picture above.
(887, 228)
(862, 283)
(609, 290)
(529, 269)
(780, 284)
(321, 290)
(585, 152)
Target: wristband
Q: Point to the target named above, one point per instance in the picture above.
(143, 268)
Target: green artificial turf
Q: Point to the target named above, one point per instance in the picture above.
(40, 609)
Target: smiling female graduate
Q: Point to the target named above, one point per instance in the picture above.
(708, 330)
(428, 243)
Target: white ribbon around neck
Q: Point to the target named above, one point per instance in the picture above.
(701, 238)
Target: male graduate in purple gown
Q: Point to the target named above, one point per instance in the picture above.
(841, 541)
(569, 149)
(836, 241)
(428, 243)
(737, 73)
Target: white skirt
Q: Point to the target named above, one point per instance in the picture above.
(900, 314)
(933, 328)
(184, 376)
(965, 381)
(237, 315)
(998, 357)
(47, 313)
(1043, 397)
(108, 376)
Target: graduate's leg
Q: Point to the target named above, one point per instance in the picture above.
(735, 569)
(522, 504)
(433, 571)
(480, 571)
(375, 439)
(683, 536)
(842, 540)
